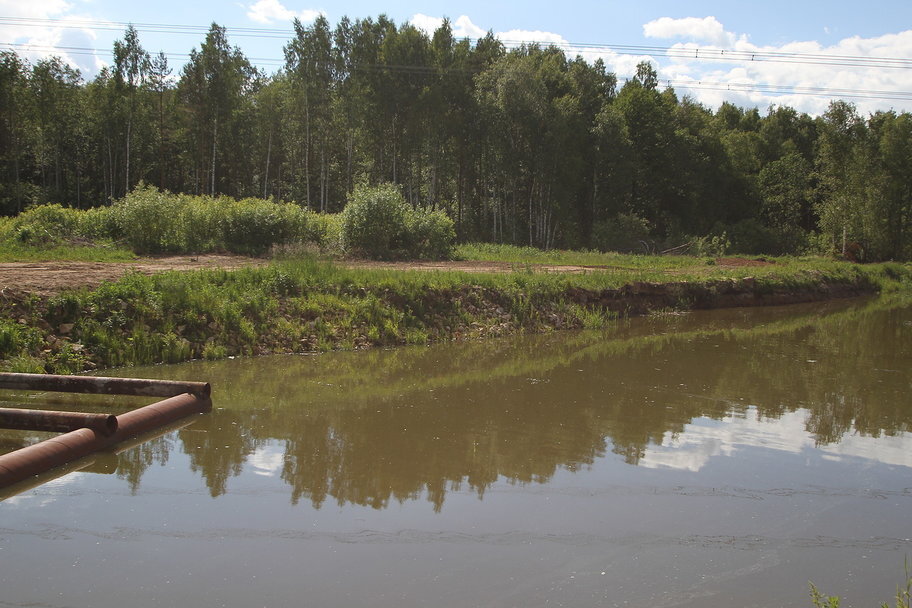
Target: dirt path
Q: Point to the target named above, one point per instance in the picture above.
(48, 278)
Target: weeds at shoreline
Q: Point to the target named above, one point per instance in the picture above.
(306, 305)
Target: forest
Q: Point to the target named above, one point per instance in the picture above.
(524, 146)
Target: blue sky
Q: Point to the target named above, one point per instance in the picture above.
(758, 31)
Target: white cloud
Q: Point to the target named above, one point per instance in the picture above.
(513, 37)
(35, 40)
(707, 29)
(270, 11)
(462, 27)
(738, 74)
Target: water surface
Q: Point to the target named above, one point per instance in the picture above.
(709, 459)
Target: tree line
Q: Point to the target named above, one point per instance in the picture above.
(525, 146)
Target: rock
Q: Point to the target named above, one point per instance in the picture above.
(65, 328)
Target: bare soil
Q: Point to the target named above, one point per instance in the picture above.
(49, 278)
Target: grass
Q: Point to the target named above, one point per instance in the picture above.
(17, 252)
(306, 305)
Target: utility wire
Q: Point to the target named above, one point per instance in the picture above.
(679, 51)
(769, 89)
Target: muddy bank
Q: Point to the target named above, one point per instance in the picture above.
(642, 298)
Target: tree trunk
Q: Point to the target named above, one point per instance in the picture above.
(268, 154)
(214, 140)
(127, 164)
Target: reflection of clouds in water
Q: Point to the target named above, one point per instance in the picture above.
(267, 460)
(896, 450)
(48, 492)
(705, 438)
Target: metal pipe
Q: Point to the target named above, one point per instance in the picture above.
(56, 422)
(102, 386)
(65, 448)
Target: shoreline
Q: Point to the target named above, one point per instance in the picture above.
(308, 306)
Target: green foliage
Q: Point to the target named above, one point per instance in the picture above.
(429, 234)
(752, 237)
(379, 224)
(373, 222)
(527, 146)
(711, 245)
(821, 601)
(44, 225)
(151, 221)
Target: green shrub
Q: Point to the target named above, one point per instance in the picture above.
(429, 234)
(45, 224)
(99, 224)
(148, 219)
(374, 222)
(379, 224)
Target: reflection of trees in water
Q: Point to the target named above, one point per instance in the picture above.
(132, 463)
(218, 446)
(371, 428)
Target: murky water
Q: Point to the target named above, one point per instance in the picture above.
(717, 459)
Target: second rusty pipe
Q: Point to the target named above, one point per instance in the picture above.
(56, 422)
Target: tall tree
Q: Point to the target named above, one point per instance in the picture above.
(159, 71)
(13, 93)
(842, 169)
(212, 87)
(131, 70)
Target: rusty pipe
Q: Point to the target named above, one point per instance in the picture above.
(100, 385)
(56, 422)
(40, 457)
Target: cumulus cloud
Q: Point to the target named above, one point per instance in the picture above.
(271, 11)
(707, 29)
(36, 40)
(764, 75)
(462, 27)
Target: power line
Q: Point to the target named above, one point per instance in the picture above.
(735, 87)
(677, 52)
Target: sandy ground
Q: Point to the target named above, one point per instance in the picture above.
(48, 278)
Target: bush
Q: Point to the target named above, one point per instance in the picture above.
(373, 222)
(158, 222)
(752, 237)
(45, 224)
(148, 220)
(379, 224)
(429, 234)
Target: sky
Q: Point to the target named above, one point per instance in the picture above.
(795, 53)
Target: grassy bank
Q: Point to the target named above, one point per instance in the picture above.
(308, 305)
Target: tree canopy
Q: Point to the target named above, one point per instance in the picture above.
(525, 146)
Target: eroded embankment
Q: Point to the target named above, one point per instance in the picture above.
(307, 307)
(642, 298)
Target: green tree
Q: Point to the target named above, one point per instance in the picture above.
(842, 168)
(132, 66)
(212, 89)
(13, 128)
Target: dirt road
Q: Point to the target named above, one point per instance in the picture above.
(48, 278)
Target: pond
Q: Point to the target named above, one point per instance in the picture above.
(722, 458)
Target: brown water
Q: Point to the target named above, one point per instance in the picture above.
(717, 459)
